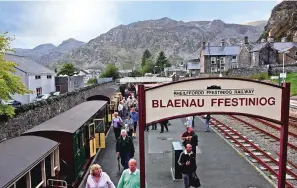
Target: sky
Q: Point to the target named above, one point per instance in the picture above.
(38, 22)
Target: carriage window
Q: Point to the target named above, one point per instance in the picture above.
(79, 142)
(91, 130)
(83, 138)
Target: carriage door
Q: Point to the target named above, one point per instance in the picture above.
(92, 140)
(79, 152)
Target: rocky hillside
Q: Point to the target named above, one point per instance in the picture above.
(283, 21)
(180, 41)
(48, 53)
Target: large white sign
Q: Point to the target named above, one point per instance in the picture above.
(213, 95)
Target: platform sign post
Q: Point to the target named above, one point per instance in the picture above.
(215, 96)
(142, 123)
(284, 135)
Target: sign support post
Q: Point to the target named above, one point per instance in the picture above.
(284, 135)
(142, 122)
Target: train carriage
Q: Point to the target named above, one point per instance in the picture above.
(80, 132)
(75, 131)
(28, 161)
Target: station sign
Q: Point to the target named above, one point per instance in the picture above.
(213, 96)
(283, 75)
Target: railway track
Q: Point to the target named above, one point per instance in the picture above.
(293, 121)
(264, 159)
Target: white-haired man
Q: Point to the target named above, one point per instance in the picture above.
(125, 148)
(130, 177)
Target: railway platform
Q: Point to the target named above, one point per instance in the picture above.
(218, 164)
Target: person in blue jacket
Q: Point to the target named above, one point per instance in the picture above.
(134, 116)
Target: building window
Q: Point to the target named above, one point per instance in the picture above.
(296, 53)
(222, 68)
(38, 91)
(234, 66)
(234, 57)
(213, 60)
(49, 76)
(58, 88)
(37, 77)
(222, 60)
(213, 69)
(254, 56)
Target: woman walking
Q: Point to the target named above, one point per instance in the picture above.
(116, 123)
(98, 178)
(129, 122)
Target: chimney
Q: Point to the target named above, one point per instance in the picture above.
(246, 40)
(270, 37)
(284, 39)
(222, 43)
(203, 45)
(263, 40)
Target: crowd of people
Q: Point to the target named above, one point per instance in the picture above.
(124, 123)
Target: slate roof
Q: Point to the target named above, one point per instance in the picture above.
(72, 119)
(279, 46)
(193, 66)
(27, 65)
(224, 51)
(20, 154)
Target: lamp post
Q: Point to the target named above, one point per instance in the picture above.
(284, 53)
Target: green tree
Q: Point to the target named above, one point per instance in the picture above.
(162, 61)
(110, 71)
(146, 55)
(136, 73)
(67, 69)
(148, 66)
(10, 83)
(92, 81)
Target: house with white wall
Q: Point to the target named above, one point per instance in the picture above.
(89, 73)
(35, 77)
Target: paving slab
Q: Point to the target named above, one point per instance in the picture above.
(219, 165)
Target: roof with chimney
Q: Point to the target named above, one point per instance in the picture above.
(221, 50)
(279, 46)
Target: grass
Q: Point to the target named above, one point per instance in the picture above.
(291, 78)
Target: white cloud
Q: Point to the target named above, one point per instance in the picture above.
(53, 21)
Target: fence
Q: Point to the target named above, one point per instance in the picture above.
(103, 80)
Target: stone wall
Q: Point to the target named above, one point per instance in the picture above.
(276, 69)
(33, 114)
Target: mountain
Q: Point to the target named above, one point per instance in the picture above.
(283, 21)
(48, 53)
(179, 40)
(261, 24)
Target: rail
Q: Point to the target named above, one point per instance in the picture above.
(263, 131)
(250, 152)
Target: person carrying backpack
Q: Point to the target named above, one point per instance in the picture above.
(125, 148)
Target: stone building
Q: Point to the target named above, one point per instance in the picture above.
(217, 59)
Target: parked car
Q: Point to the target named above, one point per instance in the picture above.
(42, 97)
(13, 103)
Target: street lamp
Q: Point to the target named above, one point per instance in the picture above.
(284, 64)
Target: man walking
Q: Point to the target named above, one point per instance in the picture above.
(164, 124)
(134, 116)
(130, 177)
(207, 119)
(189, 137)
(125, 148)
(188, 165)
